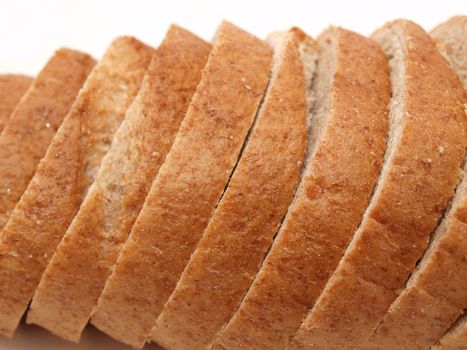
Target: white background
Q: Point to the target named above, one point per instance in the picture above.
(31, 30)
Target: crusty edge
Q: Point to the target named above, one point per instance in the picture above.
(341, 172)
(455, 338)
(12, 88)
(191, 180)
(418, 177)
(436, 293)
(41, 110)
(141, 145)
(246, 219)
(82, 142)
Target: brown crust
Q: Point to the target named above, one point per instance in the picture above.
(12, 88)
(242, 227)
(190, 182)
(427, 308)
(61, 182)
(33, 124)
(337, 184)
(410, 199)
(455, 338)
(138, 151)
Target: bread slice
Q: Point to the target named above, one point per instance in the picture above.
(436, 293)
(60, 184)
(188, 185)
(31, 127)
(261, 188)
(450, 38)
(104, 220)
(12, 88)
(422, 166)
(347, 141)
(455, 338)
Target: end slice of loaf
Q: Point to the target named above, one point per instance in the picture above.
(57, 190)
(31, 127)
(12, 88)
(422, 167)
(455, 338)
(189, 183)
(436, 293)
(347, 140)
(139, 149)
(262, 186)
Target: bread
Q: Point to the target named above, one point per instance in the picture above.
(31, 127)
(12, 88)
(260, 190)
(138, 150)
(189, 184)
(422, 166)
(455, 338)
(426, 308)
(60, 184)
(347, 141)
(450, 38)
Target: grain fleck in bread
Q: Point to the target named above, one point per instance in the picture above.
(31, 127)
(190, 182)
(436, 293)
(12, 88)
(61, 182)
(348, 137)
(422, 166)
(138, 150)
(262, 186)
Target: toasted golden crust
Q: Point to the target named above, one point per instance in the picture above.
(436, 293)
(190, 182)
(138, 150)
(12, 88)
(33, 124)
(62, 180)
(329, 204)
(417, 180)
(240, 232)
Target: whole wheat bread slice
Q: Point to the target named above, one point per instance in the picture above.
(262, 186)
(436, 293)
(422, 167)
(60, 184)
(189, 184)
(31, 127)
(105, 218)
(12, 88)
(455, 338)
(347, 141)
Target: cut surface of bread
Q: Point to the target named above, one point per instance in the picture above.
(12, 88)
(32, 125)
(138, 150)
(243, 225)
(455, 338)
(422, 167)
(451, 41)
(59, 186)
(190, 182)
(436, 293)
(347, 141)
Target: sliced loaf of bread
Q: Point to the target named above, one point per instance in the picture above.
(60, 184)
(12, 88)
(189, 184)
(426, 147)
(262, 186)
(31, 127)
(348, 130)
